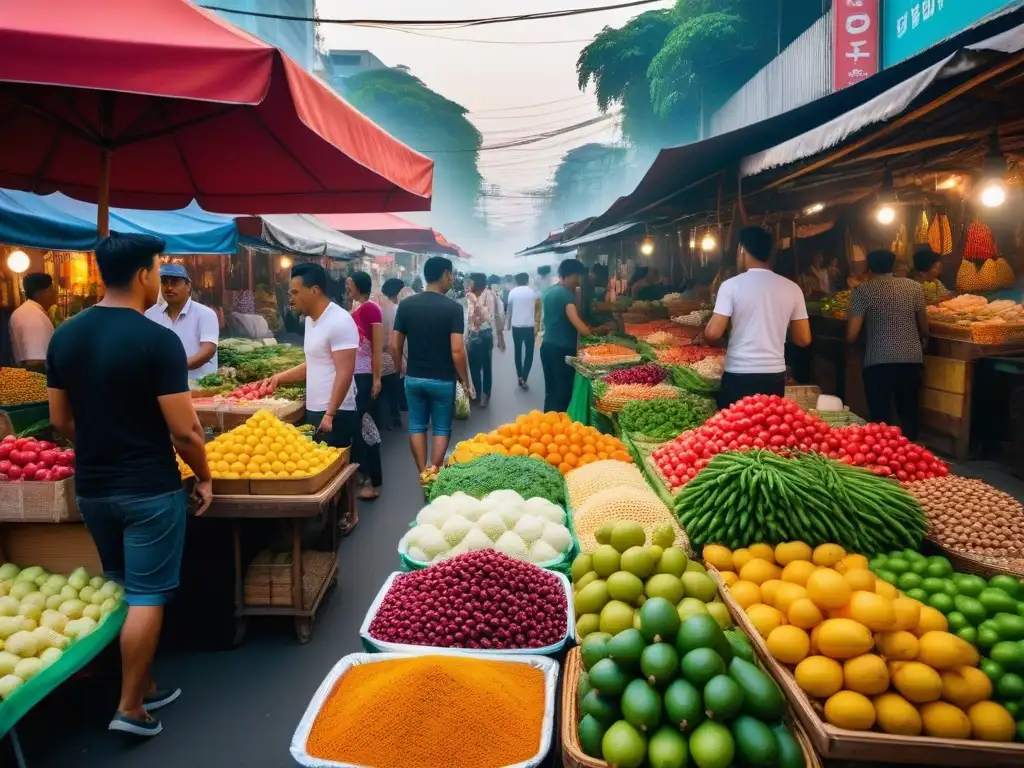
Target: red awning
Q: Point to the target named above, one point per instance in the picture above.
(391, 231)
(186, 106)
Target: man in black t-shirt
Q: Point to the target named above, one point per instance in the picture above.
(433, 325)
(118, 388)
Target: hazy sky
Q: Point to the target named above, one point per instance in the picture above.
(498, 81)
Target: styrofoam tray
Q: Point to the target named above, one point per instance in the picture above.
(373, 644)
(301, 736)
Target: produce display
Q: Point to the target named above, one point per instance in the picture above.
(982, 269)
(665, 419)
(688, 355)
(586, 481)
(671, 693)
(649, 374)
(969, 310)
(266, 448)
(702, 376)
(988, 614)
(527, 529)
(19, 386)
(971, 517)
(261, 390)
(42, 613)
(640, 330)
(246, 360)
(550, 437)
(28, 459)
(528, 477)
(782, 426)
(608, 354)
(878, 659)
(694, 319)
(760, 496)
(642, 507)
(611, 398)
(481, 600)
(615, 585)
(432, 710)
(838, 305)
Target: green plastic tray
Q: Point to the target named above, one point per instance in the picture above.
(74, 658)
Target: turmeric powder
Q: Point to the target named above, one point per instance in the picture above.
(432, 711)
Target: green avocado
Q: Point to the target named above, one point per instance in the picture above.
(790, 754)
(755, 741)
(699, 631)
(604, 709)
(969, 584)
(1007, 584)
(591, 732)
(700, 665)
(583, 687)
(659, 663)
(1009, 626)
(667, 749)
(723, 697)
(683, 706)
(659, 621)
(607, 678)
(997, 601)
(712, 745)
(761, 695)
(625, 649)
(740, 645)
(641, 706)
(971, 608)
(624, 746)
(594, 648)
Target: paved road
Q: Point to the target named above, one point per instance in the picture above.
(240, 707)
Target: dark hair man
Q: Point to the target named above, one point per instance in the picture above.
(369, 319)
(893, 313)
(562, 323)
(31, 328)
(118, 387)
(433, 325)
(761, 307)
(524, 315)
(927, 265)
(330, 341)
(194, 324)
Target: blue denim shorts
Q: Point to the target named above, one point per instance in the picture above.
(140, 540)
(431, 401)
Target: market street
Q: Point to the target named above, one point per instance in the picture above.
(239, 708)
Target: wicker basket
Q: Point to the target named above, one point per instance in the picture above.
(806, 396)
(572, 752)
(965, 563)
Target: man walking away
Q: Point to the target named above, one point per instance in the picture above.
(195, 325)
(31, 328)
(893, 313)
(524, 321)
(433, 325)
(118, 388)
(369, 319)
(480, 313)
(761, 307)
(562, 323)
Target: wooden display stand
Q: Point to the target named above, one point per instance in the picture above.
(223, 417)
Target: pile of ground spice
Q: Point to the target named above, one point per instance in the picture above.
(430, 711)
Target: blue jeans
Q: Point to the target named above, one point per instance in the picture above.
(140, 540)
(431, 401)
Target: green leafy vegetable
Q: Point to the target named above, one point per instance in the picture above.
(529, 478)
(665, 419)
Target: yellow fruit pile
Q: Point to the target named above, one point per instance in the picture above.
(265, 448)
(877, 658)
(551, 437)
(18, 386)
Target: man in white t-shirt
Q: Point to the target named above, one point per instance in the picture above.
(195, 325)
(31, 328)
(761, 307)
(524, 319)
(330, 342)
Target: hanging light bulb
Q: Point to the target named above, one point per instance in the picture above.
(285, 262)
(885, 213)
(708, 242)
(813, 209)
(993, 187)
(18, 262)
(647, 246)
(993, 194)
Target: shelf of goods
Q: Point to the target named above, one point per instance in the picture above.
(662, 674)
(51, 626)
(222, 414)
(463, 712)
(915, 675)
(36, 482)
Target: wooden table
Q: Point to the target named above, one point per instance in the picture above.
(337, 499)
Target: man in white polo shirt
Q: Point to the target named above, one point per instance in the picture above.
(194, 324)
(31, 328)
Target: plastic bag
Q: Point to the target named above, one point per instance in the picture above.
(461, 403)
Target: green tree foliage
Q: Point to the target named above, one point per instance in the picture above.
(428, 122)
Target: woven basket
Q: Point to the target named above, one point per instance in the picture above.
(965, 563)
(806, 396)
(572, 752)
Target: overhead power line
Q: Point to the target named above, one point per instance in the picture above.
(506, 145)
(530, 106)
(474, 40)
(436, 22)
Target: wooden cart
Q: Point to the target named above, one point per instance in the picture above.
(337, 499)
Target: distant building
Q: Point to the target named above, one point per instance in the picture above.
(340, 64)
(296, 38)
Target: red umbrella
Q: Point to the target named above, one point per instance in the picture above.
(390, 231)
(154, 103)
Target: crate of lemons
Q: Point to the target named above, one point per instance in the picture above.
(266, 448)
(876, 659)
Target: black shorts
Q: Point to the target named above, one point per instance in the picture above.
(736, 386)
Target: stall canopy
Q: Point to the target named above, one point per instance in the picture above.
(306, 235)
(56, 222)
(553, 241)
(391, 231)
(678, 172)
(161, 102)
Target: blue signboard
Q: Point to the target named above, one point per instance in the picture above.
(910, 26)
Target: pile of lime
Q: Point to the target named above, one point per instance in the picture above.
(671, 693)
(988, 613)
(614, 581)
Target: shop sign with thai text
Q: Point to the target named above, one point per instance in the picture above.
(911, 26)
(856, 42)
